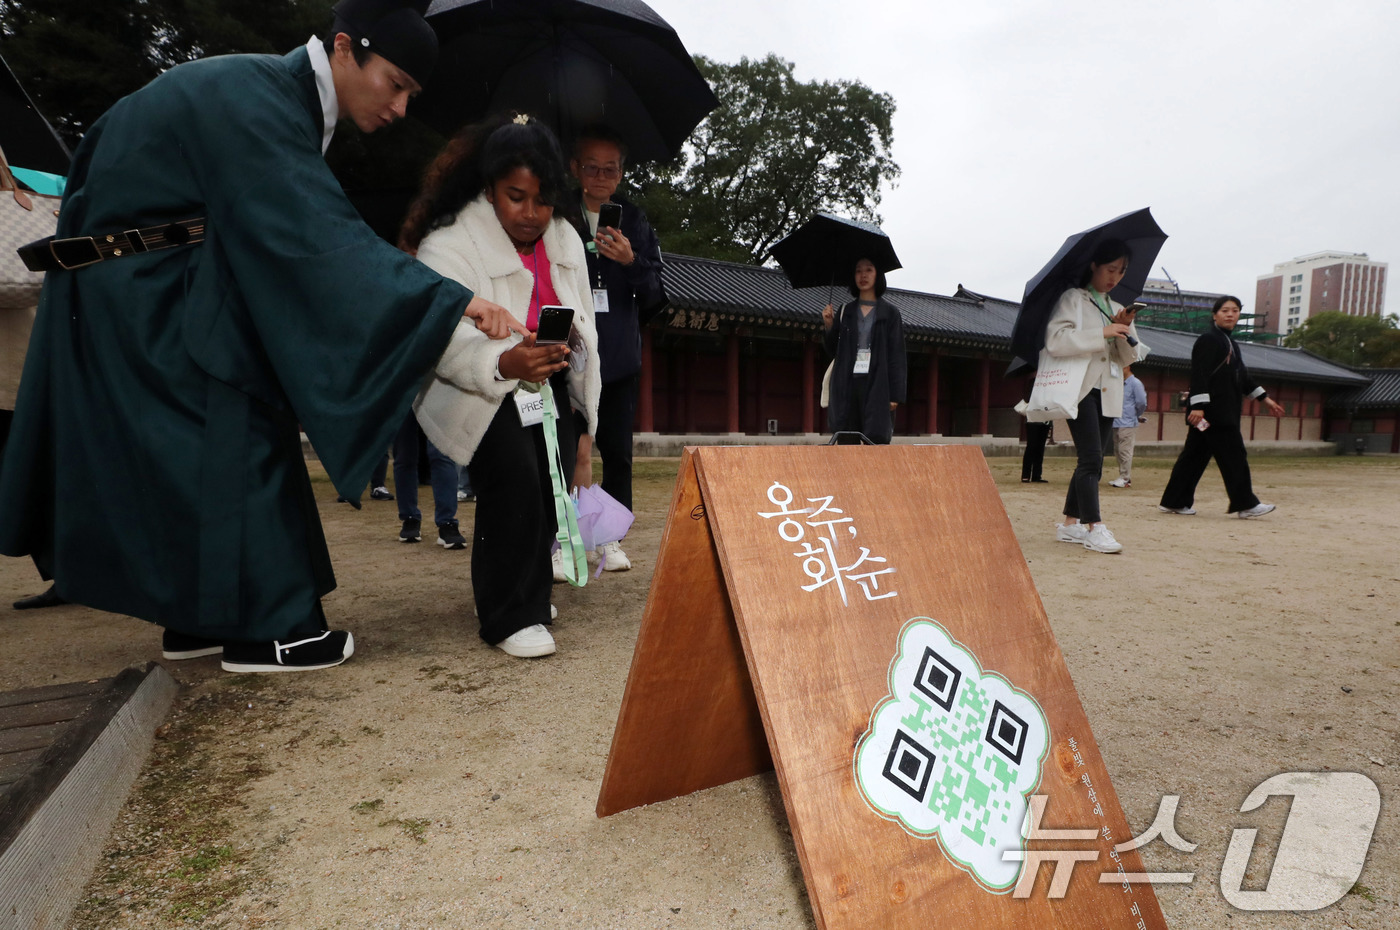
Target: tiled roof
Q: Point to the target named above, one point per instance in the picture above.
(1383, 391)
(966, 319)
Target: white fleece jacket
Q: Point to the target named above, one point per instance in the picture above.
(457, 402)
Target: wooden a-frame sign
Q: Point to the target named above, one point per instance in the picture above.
(862, 620)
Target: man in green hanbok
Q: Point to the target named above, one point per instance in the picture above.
(210, 288)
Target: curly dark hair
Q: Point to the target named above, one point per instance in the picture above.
(476, 158)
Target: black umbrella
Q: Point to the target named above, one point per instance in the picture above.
(571, 63)
(1144, 238)
(825, 249)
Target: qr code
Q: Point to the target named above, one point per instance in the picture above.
(953, 752)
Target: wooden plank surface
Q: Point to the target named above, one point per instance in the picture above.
(53, 692)
(688, 719)
(57, 710)
(823, 665)
(25, 738)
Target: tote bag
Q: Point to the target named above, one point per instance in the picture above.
(24, 217)
(1055, 393)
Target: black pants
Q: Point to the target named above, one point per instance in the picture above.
(1091, 431)
(1031, 463)
(617, 408)
(1224, 442)
(511, 573)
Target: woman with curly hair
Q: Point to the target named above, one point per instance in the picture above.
(491, 215)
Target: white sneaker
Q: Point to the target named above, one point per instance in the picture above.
(613, 558)
(1070, 532)
(553, 612)
(461, 496)
(1120, 483)
(1184, 511)
(558, 559)
(1100, 539)
(529, 643)
(1258, 510)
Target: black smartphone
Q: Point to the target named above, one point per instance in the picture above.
(610, 214)
(554, 325)
(1135, 308)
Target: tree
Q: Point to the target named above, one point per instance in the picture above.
(774, 152)
(1357, 341)
(78, 57)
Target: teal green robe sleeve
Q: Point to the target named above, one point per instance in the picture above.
(293, 296)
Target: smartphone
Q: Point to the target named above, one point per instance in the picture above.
(1134, 308)
(554, 325)
(610, 214)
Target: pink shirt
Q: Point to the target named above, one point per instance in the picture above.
(543, 294)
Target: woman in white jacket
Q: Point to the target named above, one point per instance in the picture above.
(489, 216)
(1087, 322)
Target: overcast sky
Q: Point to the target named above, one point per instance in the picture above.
(1256, 131)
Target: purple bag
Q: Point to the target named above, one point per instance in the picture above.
(601, 519)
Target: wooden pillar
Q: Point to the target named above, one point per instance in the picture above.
(731, 381)
(809, 386)
(691, 366)
(933, 390)
(1164, 403)
(646, 417)
(984, 391)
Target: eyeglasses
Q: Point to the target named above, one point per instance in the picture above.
(607, 172)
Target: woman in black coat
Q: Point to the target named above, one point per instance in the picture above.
(1219, 384)
(867, 348)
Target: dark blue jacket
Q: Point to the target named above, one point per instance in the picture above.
(635, 294)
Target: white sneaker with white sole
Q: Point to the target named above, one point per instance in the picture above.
(558, 559)
(613, 558)
(1184, 511)
(1070, 532)
(1120, 483)
(1099, 539)
(529, 643)
(1258, 510)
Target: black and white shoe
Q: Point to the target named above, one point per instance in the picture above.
(449, 537)
(381, 493)
(412, 530)
(303, 655)
(176, 646)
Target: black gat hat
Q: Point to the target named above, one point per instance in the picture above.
(394, 30)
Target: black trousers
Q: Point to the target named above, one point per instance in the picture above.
(1224, 442)
(511, 572)
(617, 408)
(1037, 434)
(1091, 431)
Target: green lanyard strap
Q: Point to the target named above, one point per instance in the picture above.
(570, 540)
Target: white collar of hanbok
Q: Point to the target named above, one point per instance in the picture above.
(325, 89)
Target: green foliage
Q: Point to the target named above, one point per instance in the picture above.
(774, 152)
(78, 57)
(1358, 341)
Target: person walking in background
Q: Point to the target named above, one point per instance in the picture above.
(442, 477)
(1033, 459)
(1125, 427)
(868, 359)
(1088, 323)
(492, 215)
(1219, 384)
(624, 274)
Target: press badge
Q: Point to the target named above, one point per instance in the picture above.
(530, 407)
(600, 300)
(862, 362)
(1114, 370)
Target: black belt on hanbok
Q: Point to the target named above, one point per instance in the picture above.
(54, 254)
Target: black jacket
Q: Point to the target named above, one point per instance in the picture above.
(635, 294)
(886, 380)
(1219, 380)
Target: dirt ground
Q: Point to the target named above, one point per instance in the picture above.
(434, 782)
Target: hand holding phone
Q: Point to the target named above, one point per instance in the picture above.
(610, 215)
